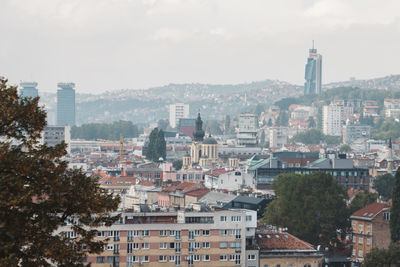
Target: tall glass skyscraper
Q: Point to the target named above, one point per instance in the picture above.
(313, 73)
(66, 104)
(28, 89)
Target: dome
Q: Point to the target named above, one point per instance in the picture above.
(210, 141)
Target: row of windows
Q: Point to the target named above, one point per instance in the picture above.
(233, 218)
(191, 176)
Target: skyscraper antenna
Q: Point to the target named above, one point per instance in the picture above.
(312, 44)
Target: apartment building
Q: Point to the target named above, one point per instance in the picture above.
(55, 135)
(333, 117)
(370, 227)
(183, 238)
(178, 111)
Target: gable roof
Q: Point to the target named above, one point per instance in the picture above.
(198, 192)
(369, 212)
(271, 240)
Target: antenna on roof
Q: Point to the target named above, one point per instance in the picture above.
(312, 44)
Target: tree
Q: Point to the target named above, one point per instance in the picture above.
(395, 210)
(156, 148)
(213, 127)
(312, 206)
(227, 124)
(177, 164)
(109, 131)
(262, 139)
(283, 118)
(39, 194)
(384, 184)
(361, 200)
(345, 148)
(383, 257)
(311, 122)
(310, 137)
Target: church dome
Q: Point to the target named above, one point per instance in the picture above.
(210, 141)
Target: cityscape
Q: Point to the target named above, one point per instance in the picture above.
(266, 173)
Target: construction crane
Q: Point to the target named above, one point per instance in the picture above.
(121, 147)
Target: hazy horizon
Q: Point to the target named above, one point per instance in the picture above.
(107, 45)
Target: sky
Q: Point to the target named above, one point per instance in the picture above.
(106, 45)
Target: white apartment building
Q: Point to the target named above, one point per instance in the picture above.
(54, 135)
(178, 111)
(333, 117)
(247, 134)
(278, 136)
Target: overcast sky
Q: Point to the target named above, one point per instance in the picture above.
(116, 44)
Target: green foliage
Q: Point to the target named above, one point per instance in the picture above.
(227, 127)
(93, 131)
(258, 109)
(157, 146)
(262, 139)
(395, 210)
(39, 193)
(388, 129)
(384, 184)
(383, 257)
(345, 148)
(177, 164)
(362, 199)
(312, 206)
(284, 103)
(283, 118)
(311, 122)
(314, 137)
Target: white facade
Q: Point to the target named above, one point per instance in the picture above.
(247, 134)
(333, 117)
(231, 181)
(178, 111)
(54, 135)
(278, 136)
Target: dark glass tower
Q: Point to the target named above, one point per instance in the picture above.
(66, 104)
(313, 73)
(198, 133)
(28, 89)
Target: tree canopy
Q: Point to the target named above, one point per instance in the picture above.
(39, 194)
(383, 257)
(315, 136)
(384, 184)
(395, 210)
(361, 200)
(156, 148)
(311, 206)
(109, 131)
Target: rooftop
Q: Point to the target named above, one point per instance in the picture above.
(273, 240)
(371, 210)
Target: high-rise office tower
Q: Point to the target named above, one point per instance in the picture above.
(66, 104)
(28, 89)
(178, 111)
(313, 73)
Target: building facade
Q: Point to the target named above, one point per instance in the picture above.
(28, 89)
(333, 117)
(313, 73)
(66, 104)
(247, 134)
(177, 111)
(55, 135)
(353, 132)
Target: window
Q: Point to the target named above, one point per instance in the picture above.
(145, 233)
(162, 258)
(163, 232)
(206, 232)
(360, 253)
(206, 257)
(196, 257)
(101, 233)
(145, 245)
(196, 232)
(178, 177)
(354, 239)
(132, 246)
(112, 259)
(236, 218)
(360, 240)
(368, 241)
(361, 228)
(386, 216)
(100, 259)
(223, 219)
(223, 244)
(223, 232)
(110, 246)
(248, 218)
(163, 245)
(234, 244)
(368, 228)
(222, 257)
(206, 244)
(70, 234)
(197, 176)
(354, 252)
(172, 233)
(236, 233)
(196, 245)
(251, 257)
(172, 258)
(145, 258)
(131, 259)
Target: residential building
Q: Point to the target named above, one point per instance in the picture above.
(55, 135)
(247, 133)
(29, 89)
(353, 132)
(278, 136)
(183, 238)
(279, 248)
(333, 118)
(370, 228)
(228, 179)
(250, 203)
(313, 73)
(66, 104)
(177, 111)
(392, 107)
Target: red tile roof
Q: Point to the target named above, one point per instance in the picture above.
(198, 192)
(128, 181)
(274, 240)
(146, 183)
(371, 210)
(217, 172)
(185, 186)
